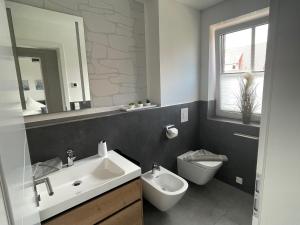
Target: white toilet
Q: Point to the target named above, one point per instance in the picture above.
(197, 172)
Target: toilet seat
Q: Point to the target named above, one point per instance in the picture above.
(207, 164)
(202, 164)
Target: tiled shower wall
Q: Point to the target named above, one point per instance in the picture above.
(115, 44)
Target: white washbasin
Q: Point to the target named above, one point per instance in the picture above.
(163, 189)
(84, 180)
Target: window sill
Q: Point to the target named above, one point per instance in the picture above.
(233, 121)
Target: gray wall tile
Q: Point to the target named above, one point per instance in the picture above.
(140, 135)
(217, 136)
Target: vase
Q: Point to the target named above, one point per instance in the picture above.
(246, 118)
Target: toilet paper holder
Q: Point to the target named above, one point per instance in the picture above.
(171, 131)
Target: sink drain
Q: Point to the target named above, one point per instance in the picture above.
(77, 183)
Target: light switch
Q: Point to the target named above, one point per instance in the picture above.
(184, 115)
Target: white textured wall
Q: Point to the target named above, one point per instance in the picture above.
(115, 43)
(179, 35)
(223, 11)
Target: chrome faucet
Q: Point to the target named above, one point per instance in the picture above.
(45, 180)
(71, 157)
(155, 166)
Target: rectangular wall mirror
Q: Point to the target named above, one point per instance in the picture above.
(51, 60)
(89, 57)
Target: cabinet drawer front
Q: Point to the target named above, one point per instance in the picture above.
(100, 208)
(132, 215)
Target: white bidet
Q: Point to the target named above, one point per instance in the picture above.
(163, 189)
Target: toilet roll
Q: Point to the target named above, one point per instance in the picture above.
(172, 132)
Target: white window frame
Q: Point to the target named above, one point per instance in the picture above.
(219, 43)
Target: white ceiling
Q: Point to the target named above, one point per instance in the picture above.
(200, 4)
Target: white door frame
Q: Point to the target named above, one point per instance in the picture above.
(16, 172)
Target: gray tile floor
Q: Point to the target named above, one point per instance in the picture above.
(214, 204)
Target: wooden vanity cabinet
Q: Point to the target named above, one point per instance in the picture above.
(131, 215)
(120, 206)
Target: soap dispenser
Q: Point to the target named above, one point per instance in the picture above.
(102, 149)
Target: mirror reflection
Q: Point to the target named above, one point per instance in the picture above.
(51, 60)
(40, 80)
(33, 85)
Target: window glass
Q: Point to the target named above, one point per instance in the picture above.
(238, 57)
(229, 91)
(237, 51)
(261, 38)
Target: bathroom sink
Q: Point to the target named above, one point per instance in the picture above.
(107, 170)
(84, 180)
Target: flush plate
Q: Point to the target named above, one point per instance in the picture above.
(184, 115)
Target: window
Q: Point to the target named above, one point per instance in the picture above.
(240, 49)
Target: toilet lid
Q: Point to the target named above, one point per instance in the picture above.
(209, 164)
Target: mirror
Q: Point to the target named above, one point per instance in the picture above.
(51, 60)
(94, 61)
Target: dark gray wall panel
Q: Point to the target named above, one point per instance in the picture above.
(140, 135)
(217, 136)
